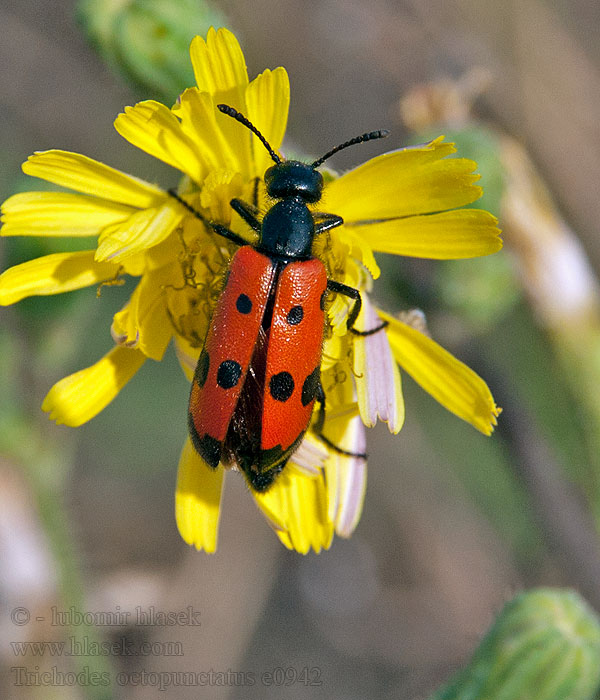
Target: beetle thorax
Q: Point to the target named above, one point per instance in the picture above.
(288, 230)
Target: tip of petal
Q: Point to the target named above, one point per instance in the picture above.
(48, 406)
(296, 508)
(303, 547)
(431, 145)
(488, 429)
(198, 500)
(76, 399)
(218, 62)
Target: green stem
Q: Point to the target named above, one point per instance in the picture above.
(48, 466)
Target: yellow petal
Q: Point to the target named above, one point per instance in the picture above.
(219, 64)
(447, 379)
(268, 101)
(134, 265)
(361, 248)
(296, 506)
(79, 397)
(198, 500)
(141, 231)
(336, 348)
(144, 322)
(53, 274)
(198, 115)
(409, 181)
(462, 233)
(59, 214)
(187, 356)
(220, 70)
(220, 187)
(153, 128)
(84, 174)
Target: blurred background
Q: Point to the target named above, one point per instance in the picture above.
(454, 523)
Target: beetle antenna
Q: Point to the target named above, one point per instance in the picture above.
(380, 134)
(238, 116)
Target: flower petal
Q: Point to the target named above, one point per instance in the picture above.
(154, 128)
(198, 114)
(361, 249)
(219, 63)
(347, 479)
(462, 233)
(144, 322)
(79, 397)
(77, 172)
(447, 379)
(267, 105)
(187, 356)
(53, 274)
(141, 231)
(310, 456)
(406, 182)
(220, 70)
(59, 214)
(376, 374)
(219, 188)
(198, 500)
(296, 506)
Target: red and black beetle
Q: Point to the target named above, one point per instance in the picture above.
(258, 374)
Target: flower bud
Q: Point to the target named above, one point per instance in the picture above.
(147, 41)
(544, 645)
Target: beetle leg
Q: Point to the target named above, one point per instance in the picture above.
(255, 192)
(320, 422)
(248, 212)
(324, 222)
(219, 229)
(354, 294)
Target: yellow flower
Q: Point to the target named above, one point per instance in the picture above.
(406, 202)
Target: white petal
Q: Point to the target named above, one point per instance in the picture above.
(377, 377)
(310, 456)
(347, 480)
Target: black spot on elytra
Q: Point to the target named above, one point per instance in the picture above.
(261, 481)
(309, 388)
(243, 304)
(295, 315)
(267, 459)
(281, 386)
(228, 374)
(209, 448)
(202, 368)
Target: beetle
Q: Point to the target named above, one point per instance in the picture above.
(258, 374)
